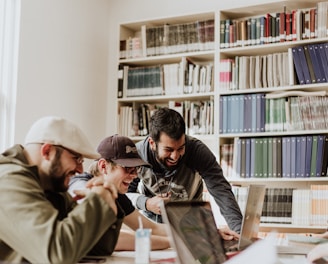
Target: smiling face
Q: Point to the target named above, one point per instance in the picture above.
(169, 151)
(63, 164)
(121, 177)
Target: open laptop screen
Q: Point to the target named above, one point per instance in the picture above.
(193, 232)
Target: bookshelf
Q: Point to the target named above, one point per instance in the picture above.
(184, 53)
(247, 153)
(135, 52)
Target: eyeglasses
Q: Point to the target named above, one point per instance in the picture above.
(131, 170)
(77, 157)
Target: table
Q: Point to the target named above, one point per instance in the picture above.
(127, 257)
(167, 257)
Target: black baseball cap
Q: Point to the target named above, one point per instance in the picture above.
(121, 150)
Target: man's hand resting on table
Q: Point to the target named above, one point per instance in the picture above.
(228, 234)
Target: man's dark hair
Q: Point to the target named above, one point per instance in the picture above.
(168, 121)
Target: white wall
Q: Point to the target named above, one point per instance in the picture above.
(63, 61)
(68, 56)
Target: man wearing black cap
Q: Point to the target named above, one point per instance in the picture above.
(39, 220)
(119, 164)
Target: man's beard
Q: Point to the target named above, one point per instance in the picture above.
(162, 161)
(57, 179)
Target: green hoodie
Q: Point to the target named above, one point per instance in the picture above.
(41, 227)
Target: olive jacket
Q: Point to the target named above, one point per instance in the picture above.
(44, 227)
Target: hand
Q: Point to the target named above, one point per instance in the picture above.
(323, 235)
(105, 189)
(99, 180)
(154, 204)
(317, 252)
(108, 192)
(228, 234)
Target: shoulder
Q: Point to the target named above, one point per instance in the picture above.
(143, 147)
(197, 154)
(83, 177)
(125, 204)
(194, 145)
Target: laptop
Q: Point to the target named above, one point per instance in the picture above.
(193, 231)
(251, 219)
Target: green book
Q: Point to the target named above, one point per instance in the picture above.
(258, 169)
(265, 157)
(270, 157)
(314, 156)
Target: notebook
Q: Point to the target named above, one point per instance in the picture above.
(193, 231)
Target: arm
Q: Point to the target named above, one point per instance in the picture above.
(159, 239)
(138, 200)
(54, 241)
(318, 252)
(199, 156)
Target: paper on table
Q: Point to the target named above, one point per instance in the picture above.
(261, 251)
(155, 255)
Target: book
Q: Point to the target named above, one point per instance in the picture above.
(319, 158)
(222, 33)
(243, 158)
(264, 72)
(270, 157)
(275, 155)
(300, 156)
(286, 157)
(291, 69)
(309, 63)
(308, 156)
(288, 16)
(279, 157)
(314, 155)
(260, 112)
(120, 81)
(304, 65)
(316, 63)
(258, 158)
(282, 26)
(253, 158)
(298, 66)
(247, 116)
(325, 157)
(265, 159)
(248, 158)
(323, 58)
(292, 156)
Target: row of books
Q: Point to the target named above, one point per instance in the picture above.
(311, 63)
(277, 206)
(198, 116)
(186, 77)
(291, 206)
(169, 38)
(269, 28)
(249, 113)
(260, 71)
(276, 157)
(304, 64)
